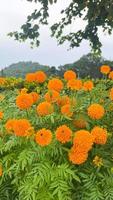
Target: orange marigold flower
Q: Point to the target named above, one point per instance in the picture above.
(99, 134)
(88, 85)
(74, 84)
(77, 157)
(21, 127)
(30, 77)
(1, 115)
(2, 81)
(52, 96)
(55, 84)
(67, 110)
(111, 94)
(83, 141)
(24, 101)
(10, 125)
(111, 75)
(1, 171)
(63, 134)
(40, 77)
(43, 137)
(105, 69)
(63, 100)
(68, 75)
(80, 123)
(96, 111)
(44, 108)
(35, 96)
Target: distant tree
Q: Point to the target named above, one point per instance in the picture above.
(97, 14)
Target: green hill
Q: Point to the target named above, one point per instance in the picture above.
(21, 68)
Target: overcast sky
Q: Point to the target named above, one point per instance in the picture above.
(13, 14)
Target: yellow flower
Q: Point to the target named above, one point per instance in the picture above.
(98, 161)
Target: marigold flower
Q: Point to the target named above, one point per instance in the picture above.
(111, 75)
(97, 161)
(96, 111)
(105, 69)
(68, 75)
(40, 77)
(44, 108)
(10, 125)
(80, 123)
(21, 127)
(63, 100)
(63, 134)
(99, 134)
(23, 90)
(77, 157)
(74, 84)
(43, 137)
(52, 96)
(67, 110)
(2, 81)
(1, 171)
(88, 85)
(35, 96)
(83, 141)
(30, 77)
(1, 115)
(111, 94)
(55, 84)
(24, 101)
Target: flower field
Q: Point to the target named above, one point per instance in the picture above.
(56, 137)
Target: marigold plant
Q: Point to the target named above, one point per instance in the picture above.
(55, 84)
(68, 75)
(24, 101)
(99, 134)
(40, 77)
(43, 137)
(45, 108)
(63, 134)
(96, 111)
(67, 110)
(74, 84)
(105, 69)
(88, 85)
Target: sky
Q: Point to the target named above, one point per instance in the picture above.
(13, 14)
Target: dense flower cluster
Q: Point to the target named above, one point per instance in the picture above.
(62, 114)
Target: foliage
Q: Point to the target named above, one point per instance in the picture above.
(101, 18)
